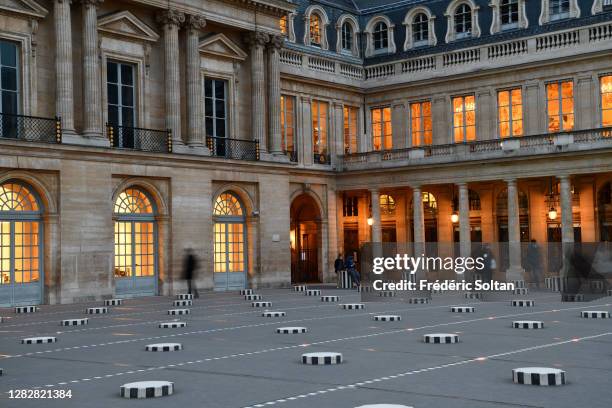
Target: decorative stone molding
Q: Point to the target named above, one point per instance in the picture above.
(597, 7)
(291, 27)
(318, 10)
(195, 22)
(257, 39)
(221, 46)
(451, 35)
(170, 17)
(127, 25)
(24, 8)
(92, 3)
(276, 41)
(408, 20)
(496, 24)
(545, 17)
(349, 19)
(369, 32)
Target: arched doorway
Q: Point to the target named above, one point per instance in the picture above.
(305, 236)
(135, 260)
(604, 212)
(230, 256)
(20, 245)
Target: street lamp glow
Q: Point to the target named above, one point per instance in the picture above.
(454, 217)
(370, 221)
(552, 214)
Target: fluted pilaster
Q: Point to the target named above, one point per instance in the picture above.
(257, 41)
(64, 93)
(92, 95)
(171, 21)
(274, 93)
(194, 83)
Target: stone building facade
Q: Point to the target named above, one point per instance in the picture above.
(271, 135)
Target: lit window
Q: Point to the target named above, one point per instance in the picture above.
(560, 97)
(283, 25)
(319, 130)
(227, 204)
(559, 9)
(381, 129)
(381, 36)
(464, 118)
(429, 201)
(350, 129)
(420, 123)
(350, 207)
(315, 29)
(420, 29)
(387, 204)
(509, 10)
(510, 113)
(606, 100)
(347, 36)
(288, 123)
(463, 21)
(230, 240)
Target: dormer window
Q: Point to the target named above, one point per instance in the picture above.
(381, 36)
(559, 9)
(283, 25)
(509, 12)
(420, 29)
(463, 21)
(315, 30)
(347, 37)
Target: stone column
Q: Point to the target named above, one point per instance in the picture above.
(92, 95)
(465, 242)
(257, 40)
(64, 96)
(376, 227)
(515, 270)
(567, 222)
(171, 20)
(417, 215)
(195, 122)
(305, 149)
(274, 94)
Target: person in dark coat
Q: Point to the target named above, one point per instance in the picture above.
(338, 264)
(190, 267)
(352, 270)
(532, 263)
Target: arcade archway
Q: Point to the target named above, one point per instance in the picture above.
(306, 240)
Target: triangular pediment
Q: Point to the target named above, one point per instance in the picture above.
(125, 24)
(28, 8)
(221, 46)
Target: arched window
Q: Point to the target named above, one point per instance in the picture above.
(463, 21)
(230, 242)
(420, 29)
(381, 36)
(135, 261)
(387, 204)
(347, 37)
(315, 30)
(20, 251)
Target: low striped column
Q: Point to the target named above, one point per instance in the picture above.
(441, 338)
(344, 280)
(74, 322)
(322, 358)
(113, 302)
(543, 376)
(146, 389)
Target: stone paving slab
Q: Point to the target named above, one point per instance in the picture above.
(233, 358)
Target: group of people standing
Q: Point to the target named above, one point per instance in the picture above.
(348, 265)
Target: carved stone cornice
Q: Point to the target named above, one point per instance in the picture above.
(170, 17)
(277, 42)
(257, 39)
(195, 22)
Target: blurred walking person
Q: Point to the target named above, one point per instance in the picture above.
(532, 263)
(190, 267)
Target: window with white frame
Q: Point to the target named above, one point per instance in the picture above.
(509, 13)
(315, 30)
(560, 105)
(215, 107)
(350, 129)
(463, 21)
(420, 29)
(555, 10)
(420, 123)
(288, 123)
(510, 112)
(559, 9)
(347, 37)
(382, 134)
(381, 36)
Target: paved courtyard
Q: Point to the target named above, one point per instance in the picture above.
(232, 357)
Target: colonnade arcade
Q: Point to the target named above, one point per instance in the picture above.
(506, 215)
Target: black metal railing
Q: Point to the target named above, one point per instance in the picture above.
(146, 140)
(292, 154)
(30, 128)
(236, 149)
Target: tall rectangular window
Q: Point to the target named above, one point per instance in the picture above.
(420, 123)
(319, 130)
(381, 129)
(350, 129)
(121, 94)
(215, 107)
(509, 11)
(350, 207)
(288, 123)
(606, 100)
(559, 9)
(560, 103)
(464, 118)
(9, 88)
(510, 112)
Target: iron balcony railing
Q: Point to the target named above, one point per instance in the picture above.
(526, 144)
(30, 128)
(146, 140)
(236, 149)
